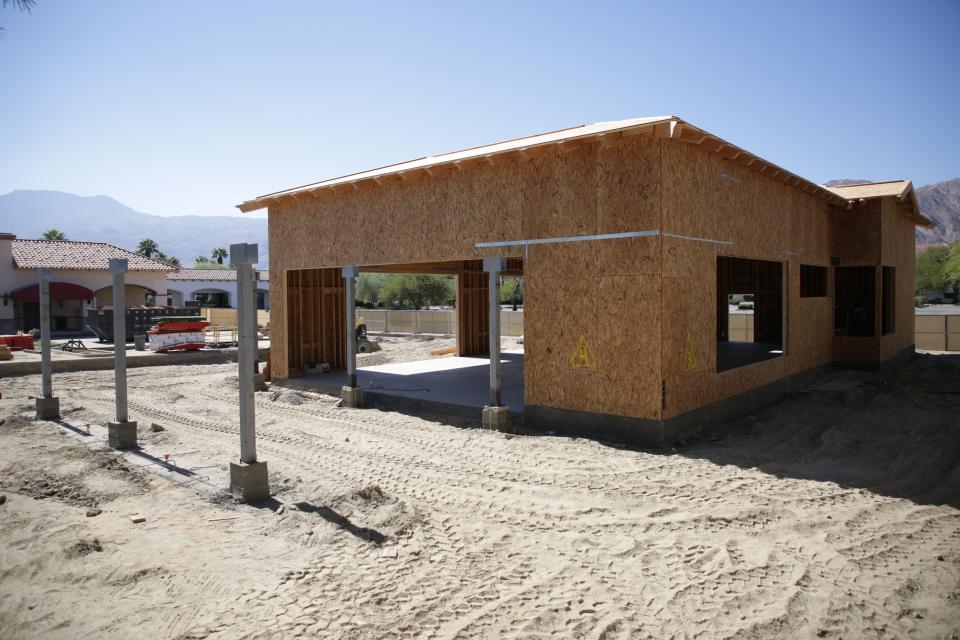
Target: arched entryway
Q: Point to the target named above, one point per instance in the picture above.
(67, 307)
(134, 296)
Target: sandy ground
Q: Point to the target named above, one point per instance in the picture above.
(833, 514)
(411, 349)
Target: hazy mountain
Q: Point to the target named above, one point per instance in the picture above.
(941, 203)
(102, 219)
(844, 181)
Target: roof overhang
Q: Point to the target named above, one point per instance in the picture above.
(901, 190)
(661, 126)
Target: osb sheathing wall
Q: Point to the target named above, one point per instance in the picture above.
(580, 355)
(857, 243)
(706, 196)
(897, 240)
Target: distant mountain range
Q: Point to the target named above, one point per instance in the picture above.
(102, 219)
(941, 203)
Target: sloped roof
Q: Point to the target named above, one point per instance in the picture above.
(71, 255)
(902, 190)
(872, 189)
(671, 126)
(221, 275)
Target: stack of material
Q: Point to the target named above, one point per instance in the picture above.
(5, 353)
(17, 342)
(177, 333)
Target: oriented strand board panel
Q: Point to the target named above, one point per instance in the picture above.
(856, 234)
(897, 244)
(706, 196)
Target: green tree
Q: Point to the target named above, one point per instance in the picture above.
(417, 291)
(53, 234)
(147, 248)
(931, 274)
(369, 286)
(951, 270)
(219, 254)
(511, 291)
(21, 5)
(206, 263)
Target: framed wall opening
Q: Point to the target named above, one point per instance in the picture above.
(854, 302)
(750, 314)
(813, 281)
(416, 360)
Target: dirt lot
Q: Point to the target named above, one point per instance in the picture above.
(833, 514)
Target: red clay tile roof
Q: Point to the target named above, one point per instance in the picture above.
(221, 275)
(77, 256)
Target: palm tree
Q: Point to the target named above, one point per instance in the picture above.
(22, 5)
(173, 261)
(199, 259)
(219, 254)
(147, 248)
(53, 234)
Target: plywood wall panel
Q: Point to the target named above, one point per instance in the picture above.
(708, 197)
(897, 250)
(628, 346)
(689, 346)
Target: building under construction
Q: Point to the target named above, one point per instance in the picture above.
(631, 237)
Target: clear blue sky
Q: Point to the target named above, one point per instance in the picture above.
(192, 107)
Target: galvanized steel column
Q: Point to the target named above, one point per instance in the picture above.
(118, 267)
(243, 257)
(349, 276)
(45, 367)
(493, 266)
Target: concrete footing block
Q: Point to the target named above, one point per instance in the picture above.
(248, 481)
(258, 383)
(351, 397)
(122, 435)
(496, 418)
(48, 408)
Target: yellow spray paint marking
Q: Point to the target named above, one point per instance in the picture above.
(582, 358)
(689, 361)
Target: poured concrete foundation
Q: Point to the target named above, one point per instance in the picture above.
(249, 481)
(496, 418)
(48, 408)
(352, 397)
(122, 435)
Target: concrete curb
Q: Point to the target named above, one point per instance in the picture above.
(205, 356)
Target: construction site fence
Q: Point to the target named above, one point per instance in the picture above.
(932, 332)
(937, 333)
(440, 321)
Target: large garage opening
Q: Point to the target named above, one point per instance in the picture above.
(750, 314)
(430, 320)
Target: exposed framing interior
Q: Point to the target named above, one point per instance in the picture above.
(764, 279)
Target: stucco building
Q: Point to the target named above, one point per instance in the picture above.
(80, 281)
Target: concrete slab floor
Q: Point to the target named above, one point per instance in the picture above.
(452, 380)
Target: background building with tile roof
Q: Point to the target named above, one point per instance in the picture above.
(81, 280)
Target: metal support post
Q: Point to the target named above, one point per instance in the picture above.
(495, 414)
(118, 267)
(48, 407)
(248, 480)
(351, 395)
(121, 434)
